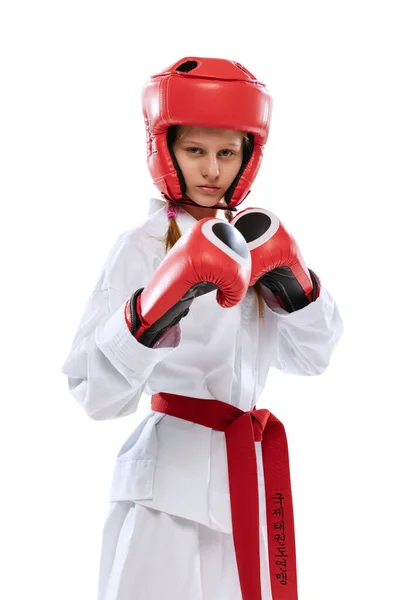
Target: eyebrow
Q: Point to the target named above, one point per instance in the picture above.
(232, 144)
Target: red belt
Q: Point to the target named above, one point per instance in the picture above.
(242, 429)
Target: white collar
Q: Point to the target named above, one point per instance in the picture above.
(158, 207)
(155, 204)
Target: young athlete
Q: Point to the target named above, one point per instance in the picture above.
(193, 307)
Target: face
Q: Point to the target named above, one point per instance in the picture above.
(209, 160)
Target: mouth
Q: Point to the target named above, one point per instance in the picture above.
(208, 189)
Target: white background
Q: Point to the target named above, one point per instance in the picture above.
(73, 177)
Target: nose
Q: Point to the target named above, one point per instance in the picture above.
(210, 167)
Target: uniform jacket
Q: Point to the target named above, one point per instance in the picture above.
(223, 353)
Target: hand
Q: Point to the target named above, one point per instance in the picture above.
(212, 255)
(277, 262)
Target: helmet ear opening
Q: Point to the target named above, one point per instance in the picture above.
(171, 137)
(187, 66)
(247, 152)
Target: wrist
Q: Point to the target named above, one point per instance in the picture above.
(316, 286)
(131, 316)
(290, 294)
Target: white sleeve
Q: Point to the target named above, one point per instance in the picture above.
(307, 337)
(107, 368)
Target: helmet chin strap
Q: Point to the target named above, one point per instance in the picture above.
(190, 202)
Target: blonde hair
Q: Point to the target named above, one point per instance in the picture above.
(174, 233)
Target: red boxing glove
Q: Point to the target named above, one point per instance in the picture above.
(212, 255)
(276, 259)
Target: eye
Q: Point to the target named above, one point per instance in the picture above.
(193, 150)
(227, 153)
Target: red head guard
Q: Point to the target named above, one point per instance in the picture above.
(204, 92)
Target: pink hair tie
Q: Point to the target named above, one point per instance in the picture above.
(171, 211)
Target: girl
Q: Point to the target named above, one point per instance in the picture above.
(193, 307)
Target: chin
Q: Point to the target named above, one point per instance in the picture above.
(206, 202)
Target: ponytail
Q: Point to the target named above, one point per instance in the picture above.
(173, 234)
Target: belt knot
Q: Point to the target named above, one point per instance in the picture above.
(259, 420)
